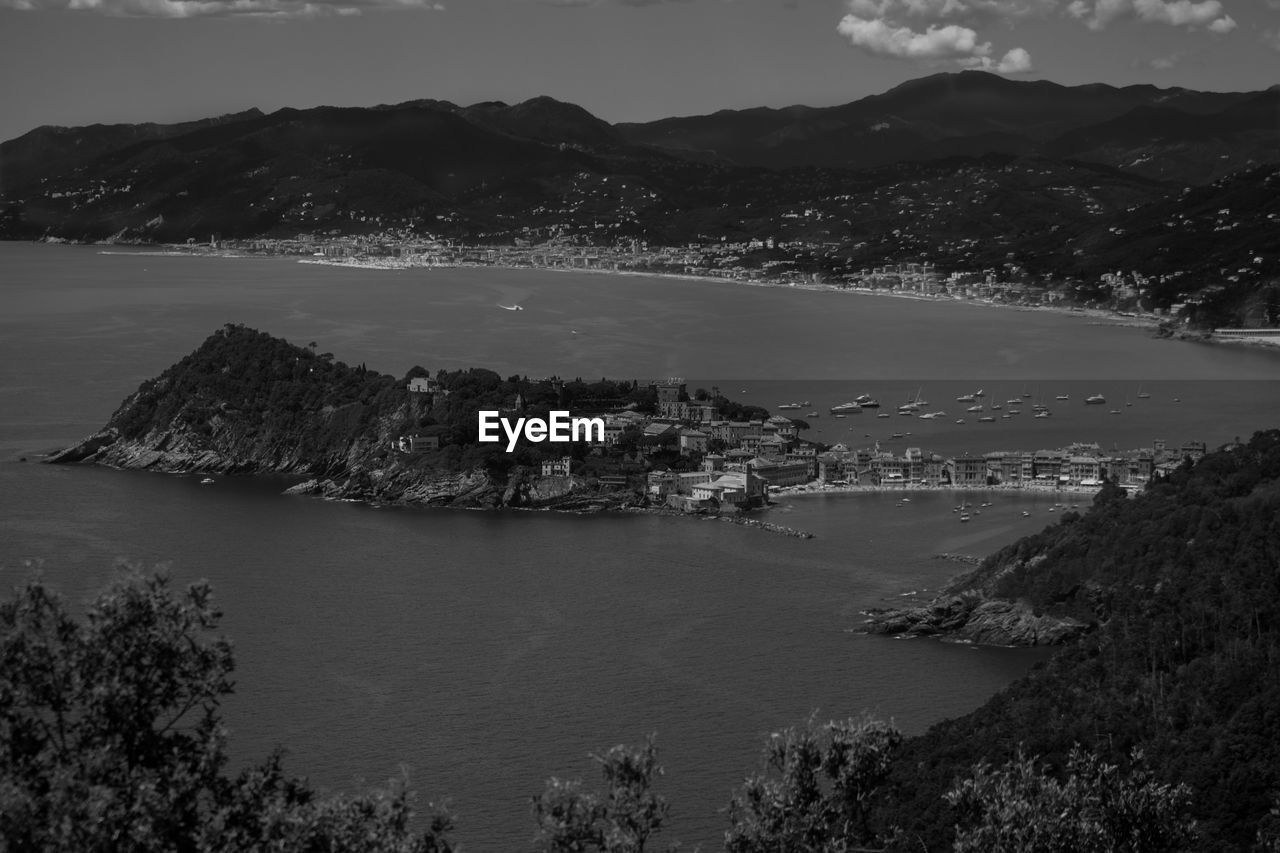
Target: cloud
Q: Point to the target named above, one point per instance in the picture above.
(1223, 25)
(883, 39)
(575, 4)
(954, 10)
(888, 28)
(1098, 14)
(1159, 63)
(277, 9)
(1016, 61)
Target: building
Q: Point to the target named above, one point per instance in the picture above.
(779, 474)
(969, 471)
(693, 441)
(423, 385)
(417, 443)
(557, 467)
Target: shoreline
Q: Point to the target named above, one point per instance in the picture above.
(1112, 318)
(808, 490)
(1098, 316)
(1095, 316)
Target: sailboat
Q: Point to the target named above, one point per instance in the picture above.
(1143, 395)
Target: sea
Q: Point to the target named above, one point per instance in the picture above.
(477, 654)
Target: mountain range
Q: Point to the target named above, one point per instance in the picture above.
(967, 170)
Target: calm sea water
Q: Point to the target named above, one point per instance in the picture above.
(487, 651)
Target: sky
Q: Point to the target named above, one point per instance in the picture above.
(77, 62)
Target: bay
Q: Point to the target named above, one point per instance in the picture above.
(487, 651)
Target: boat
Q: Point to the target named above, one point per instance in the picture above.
(788, 405)
(995, 407)
(1026, 514)
(883, 415)
(964, 517)
(1046, 413)
(1116, 412)
(1143, 395)
(842, 416)
(959, 420)
(206, 481)
(1063, 397)
(977, 408)
(986, 419)
(813, 415)
(870, 404)
(965, 398)
(1096, 399)
(1013, 401)
(979, 393)
(846, 407)
(511, 307)
(915, 404)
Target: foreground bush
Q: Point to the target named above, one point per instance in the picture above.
(110, 739)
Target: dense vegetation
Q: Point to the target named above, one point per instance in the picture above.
(266, 397)
(1184, 585)
(111, 740)
(1155, 732)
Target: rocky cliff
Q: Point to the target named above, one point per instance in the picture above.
(1031, 593)
(970, 617)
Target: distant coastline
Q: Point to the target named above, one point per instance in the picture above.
(1155, 324)
(1134, 320)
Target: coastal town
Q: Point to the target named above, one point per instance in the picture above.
(686, 455)
(761, 260)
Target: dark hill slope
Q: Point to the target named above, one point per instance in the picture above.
(971, 113)
(294, 170)
(1183, 586)
(48, 152)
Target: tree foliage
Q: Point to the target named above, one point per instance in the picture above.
(111, 739)
(1021, 808)
(621, 820)
(1182, 585)
(816, 790)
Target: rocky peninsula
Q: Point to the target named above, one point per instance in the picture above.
(247, 403)
(1001, 600)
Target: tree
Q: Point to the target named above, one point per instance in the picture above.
(571, 820)
(1019, 808)
(817, 789)
(111, 740)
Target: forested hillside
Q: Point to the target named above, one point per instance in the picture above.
(1183, 584)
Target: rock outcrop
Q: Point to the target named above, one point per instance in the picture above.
(976, 619)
